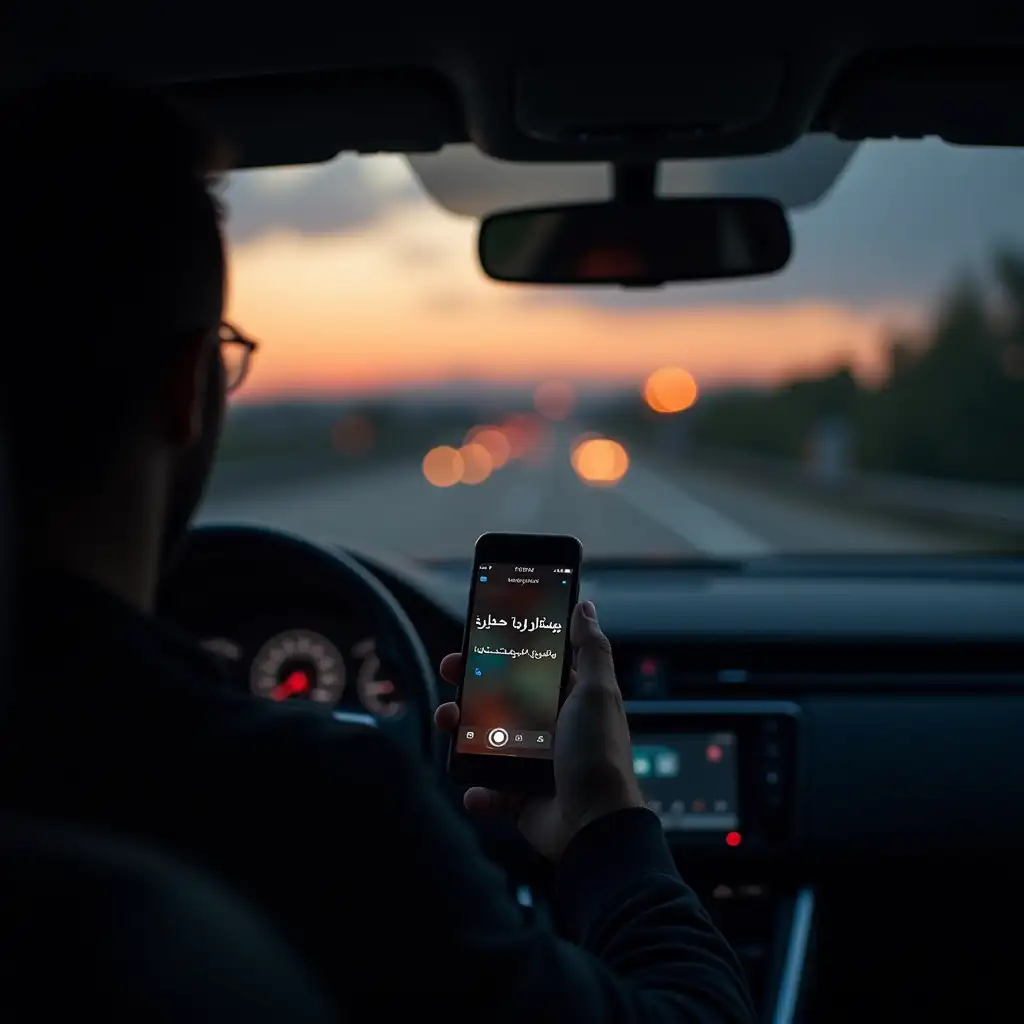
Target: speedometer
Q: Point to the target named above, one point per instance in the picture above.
(299, 664)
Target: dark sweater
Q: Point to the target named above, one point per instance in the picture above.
(342, 838)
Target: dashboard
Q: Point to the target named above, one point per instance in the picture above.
(834, 749)
(832, 702)
(827, 746)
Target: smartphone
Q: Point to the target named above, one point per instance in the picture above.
(517, 657)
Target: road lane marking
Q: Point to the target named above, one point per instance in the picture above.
(699, 525)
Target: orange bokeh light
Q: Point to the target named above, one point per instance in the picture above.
(600, 461)
(443, 466)
(476, 463)
(670, 389)
(495, 441)
(471, 434)
(524, 432)
(554, 399)
(587, 435)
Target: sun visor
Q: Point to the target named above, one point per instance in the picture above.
(304, 119)
(971, 98)
(470, 184)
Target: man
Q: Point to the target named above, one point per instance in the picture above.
(115, 301)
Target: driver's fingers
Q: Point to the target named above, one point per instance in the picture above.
(487, 801)
(451, 669)
(476, 798)
(446, 717)
(594, 663)
(571, 682)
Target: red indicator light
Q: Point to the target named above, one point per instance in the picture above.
(714, 753)
(733, 839)
(648, 667)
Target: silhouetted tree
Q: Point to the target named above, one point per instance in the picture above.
(952, 403)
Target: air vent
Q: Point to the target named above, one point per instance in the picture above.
(659, 671)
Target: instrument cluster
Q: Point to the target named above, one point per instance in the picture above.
(299, 663)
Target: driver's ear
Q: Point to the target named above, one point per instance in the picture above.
(184, 392)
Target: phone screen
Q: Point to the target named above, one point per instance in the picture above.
(518, 644)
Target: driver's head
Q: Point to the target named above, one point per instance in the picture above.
(113, 305)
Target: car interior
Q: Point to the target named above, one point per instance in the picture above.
(862, 850)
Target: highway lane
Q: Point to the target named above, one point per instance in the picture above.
(659, 509)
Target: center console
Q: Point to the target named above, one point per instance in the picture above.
(723, 776)
(719, 774)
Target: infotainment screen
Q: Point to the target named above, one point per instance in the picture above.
(690, 780)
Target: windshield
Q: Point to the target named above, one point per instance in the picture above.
(868, 399)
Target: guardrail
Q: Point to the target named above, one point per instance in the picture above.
(237, 476)
(942, 503)
(240, 477)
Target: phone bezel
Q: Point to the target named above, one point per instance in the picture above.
(509, 773)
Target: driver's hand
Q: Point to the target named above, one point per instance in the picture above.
(593, 755)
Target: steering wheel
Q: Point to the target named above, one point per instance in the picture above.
(212, 552)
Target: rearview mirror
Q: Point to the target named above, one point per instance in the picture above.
(636, 244)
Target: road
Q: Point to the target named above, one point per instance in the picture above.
(657, 510)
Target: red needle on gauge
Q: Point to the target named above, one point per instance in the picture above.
(297, 682)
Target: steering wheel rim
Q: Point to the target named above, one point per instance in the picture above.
(208, 545)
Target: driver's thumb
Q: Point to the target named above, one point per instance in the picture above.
(594, 663)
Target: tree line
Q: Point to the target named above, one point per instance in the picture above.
(950, 404)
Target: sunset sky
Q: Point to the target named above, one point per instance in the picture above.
(354, 279)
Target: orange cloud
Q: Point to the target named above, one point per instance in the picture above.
(353, 314)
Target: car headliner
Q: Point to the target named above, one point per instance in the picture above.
(301, 84)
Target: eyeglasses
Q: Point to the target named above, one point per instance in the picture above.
(236, 351)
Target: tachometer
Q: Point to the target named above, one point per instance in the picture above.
(377, 693)
(299, 664)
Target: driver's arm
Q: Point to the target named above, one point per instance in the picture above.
(390, 895)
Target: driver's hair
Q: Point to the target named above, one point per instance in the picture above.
(115, 256)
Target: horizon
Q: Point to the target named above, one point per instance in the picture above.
(472, 393)
(358, 285)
